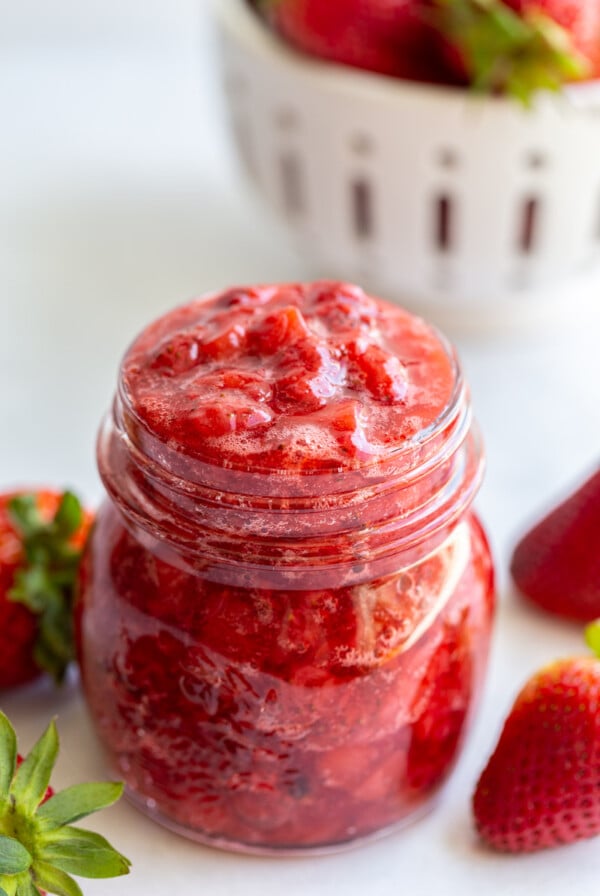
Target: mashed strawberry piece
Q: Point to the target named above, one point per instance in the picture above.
(296, 376)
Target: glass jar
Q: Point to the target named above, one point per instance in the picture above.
(282, 639)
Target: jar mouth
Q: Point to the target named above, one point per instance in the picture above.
(406, 458)
(289, 382)
(358, 520)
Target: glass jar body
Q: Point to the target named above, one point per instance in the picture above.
(265, 718)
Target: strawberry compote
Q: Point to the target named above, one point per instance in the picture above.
(286, 601)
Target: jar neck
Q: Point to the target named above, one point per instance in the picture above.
(359, 523)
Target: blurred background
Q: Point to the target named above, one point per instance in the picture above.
(118, 199)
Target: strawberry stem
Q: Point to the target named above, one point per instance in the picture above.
(592, 637)
(505, 52)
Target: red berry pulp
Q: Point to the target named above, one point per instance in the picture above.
(288, 377)
(286, 602)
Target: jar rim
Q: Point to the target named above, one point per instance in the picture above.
(201, 470)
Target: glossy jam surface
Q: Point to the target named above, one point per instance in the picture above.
(272, 670)
(299, 376)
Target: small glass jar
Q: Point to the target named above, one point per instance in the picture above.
(282, 657)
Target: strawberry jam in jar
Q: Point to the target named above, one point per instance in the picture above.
(286, 600)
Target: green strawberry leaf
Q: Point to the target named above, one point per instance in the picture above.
(24, 514)
(69, 515)
(8, 755)
(83, 853)
(55, 881)
(14, 858)
(18, 885)
(79, 801)
(27, 887)
(31, 780)
(32, 587)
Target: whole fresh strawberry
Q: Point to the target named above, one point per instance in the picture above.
(541, 787)
(557, 564)
(390, 37)
(39, 847)
(513, 47)
(41, 536)
(518, 47)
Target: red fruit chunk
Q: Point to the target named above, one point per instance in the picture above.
(315, 377)
(541, 787)
(225, 344)
(346, 417)
(441, 706)
(214, 420)
(231, 382)
(180, 354)
(382, 373)
(557, 564)
(343, 308)
(283, 328)
(296, 395)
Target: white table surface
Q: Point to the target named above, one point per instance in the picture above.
(119, 198)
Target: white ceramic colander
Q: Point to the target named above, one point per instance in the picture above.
(446, 202)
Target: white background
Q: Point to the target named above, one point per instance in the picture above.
(119, 198)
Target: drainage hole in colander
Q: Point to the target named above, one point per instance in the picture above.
(536, 160)
(362, 144)
(362, 208)
(444, 223)
(448, 157)
(529, 225)
(292, 184)
(286, 118)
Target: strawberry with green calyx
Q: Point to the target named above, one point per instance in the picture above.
(509, 47)
(41, 537)
(39, 847)
(518, 47)
(541, 787)
(556, 565)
